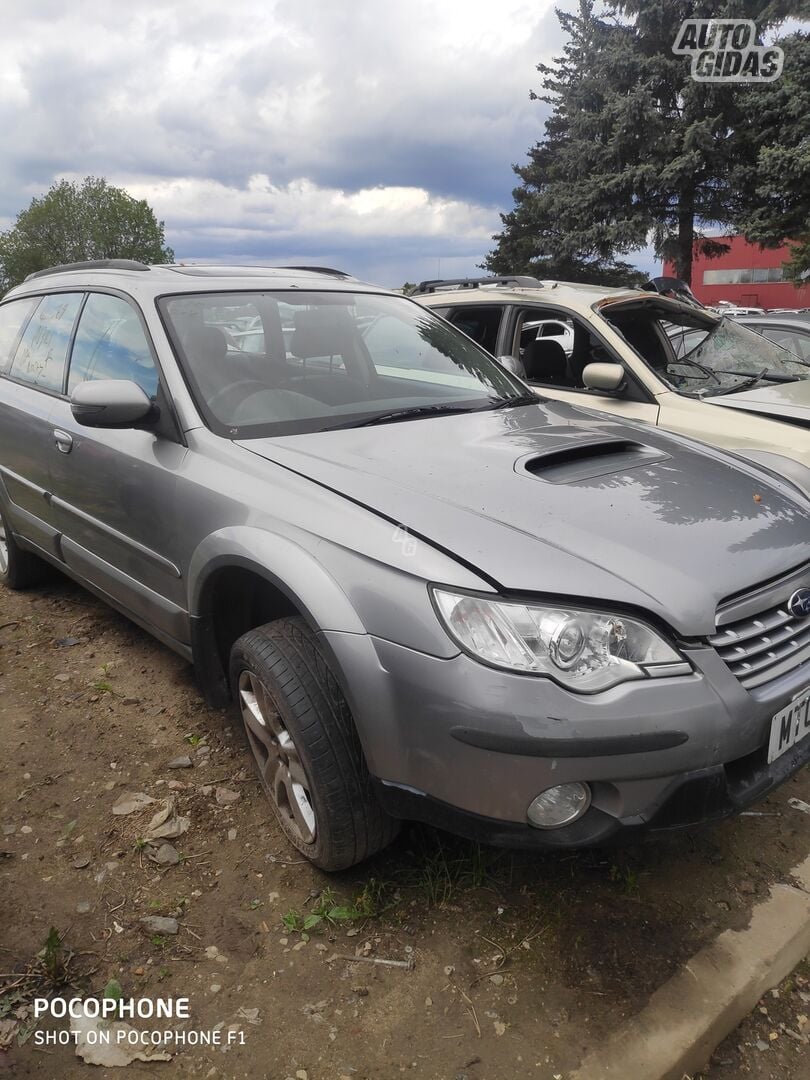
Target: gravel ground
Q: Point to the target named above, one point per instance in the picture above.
(510, 965)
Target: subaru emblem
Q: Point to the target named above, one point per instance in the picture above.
(799, 604)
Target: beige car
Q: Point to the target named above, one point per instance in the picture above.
(644, 356)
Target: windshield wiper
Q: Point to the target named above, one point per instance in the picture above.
(781, 377)
(752, 380)
(522, 399)
(407, 414)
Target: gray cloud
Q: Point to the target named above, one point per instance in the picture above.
(257, 129)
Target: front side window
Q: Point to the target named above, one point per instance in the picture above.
(40, 356)
(555, 348)
(110, 344)
(320, 360)
(13, 317)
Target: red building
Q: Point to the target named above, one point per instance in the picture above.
(747, 275)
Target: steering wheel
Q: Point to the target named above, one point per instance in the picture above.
(228, 398)
(684, 361)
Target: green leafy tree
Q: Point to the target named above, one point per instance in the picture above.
(634, 148)
(73, 222)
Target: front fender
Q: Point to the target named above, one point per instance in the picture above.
(285, 564)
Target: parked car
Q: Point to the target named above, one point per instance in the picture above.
(549, 330)
(791, 331)
(650, 357)
(736, 310)
(429, 594)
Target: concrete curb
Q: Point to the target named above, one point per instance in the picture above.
(676, 1032)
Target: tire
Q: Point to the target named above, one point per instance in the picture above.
(305, 745)
(18, 569)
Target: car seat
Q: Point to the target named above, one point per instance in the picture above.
(327, 333)
(544, 361)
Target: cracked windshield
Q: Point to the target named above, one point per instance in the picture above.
(704, 357)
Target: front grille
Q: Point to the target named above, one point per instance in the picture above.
(761, 647)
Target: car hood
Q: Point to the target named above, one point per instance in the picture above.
(782, 401)
(552, 499)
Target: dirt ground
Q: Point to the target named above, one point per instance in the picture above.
(510, 965)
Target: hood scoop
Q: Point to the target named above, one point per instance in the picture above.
(584, 459)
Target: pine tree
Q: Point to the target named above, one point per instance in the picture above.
(634, 148)
(775, 193)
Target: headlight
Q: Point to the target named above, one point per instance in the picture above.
(583, 650)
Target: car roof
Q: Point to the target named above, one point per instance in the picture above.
(141, 279)
(573, 294)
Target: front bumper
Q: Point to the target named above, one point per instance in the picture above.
(465, 747)
(695, 798)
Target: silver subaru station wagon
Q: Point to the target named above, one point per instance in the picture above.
(431, 596)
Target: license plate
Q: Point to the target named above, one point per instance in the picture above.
(789, 726)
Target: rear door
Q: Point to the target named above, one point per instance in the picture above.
(35, 333)
(117, 493)
(482, 322)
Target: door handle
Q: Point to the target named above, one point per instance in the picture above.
(64, 442)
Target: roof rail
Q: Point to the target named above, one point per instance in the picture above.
(92, 264)
(317, 270)
(518, 281)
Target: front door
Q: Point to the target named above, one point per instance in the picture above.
(115, 492)
(554, 347)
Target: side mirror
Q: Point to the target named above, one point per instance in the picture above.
(512, 364)
(606, 378)
(110, 403)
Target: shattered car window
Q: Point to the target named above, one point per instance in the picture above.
(695, 353)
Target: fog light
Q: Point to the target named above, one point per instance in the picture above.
(559, 806)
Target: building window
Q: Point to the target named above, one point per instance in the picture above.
(742, 277)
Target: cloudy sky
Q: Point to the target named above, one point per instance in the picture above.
(370, 135)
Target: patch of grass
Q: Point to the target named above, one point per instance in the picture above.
(52, 968)
(114, 991)
(103, 686)
(375, 897)
(625, 877)
(325, 913)
(52, 958)
(194, 740)
(446, 866)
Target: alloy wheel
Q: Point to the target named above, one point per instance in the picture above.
(3, 549)
(277, 757)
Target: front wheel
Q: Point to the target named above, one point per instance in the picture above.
(305, 745)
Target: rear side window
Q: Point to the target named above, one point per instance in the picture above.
(479, 323)
(111, 344)
(40, 356)
(13, 317)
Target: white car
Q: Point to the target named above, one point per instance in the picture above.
(646, 356)
(549, 330)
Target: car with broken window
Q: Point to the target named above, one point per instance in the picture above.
(429, 594)
(646, 356)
